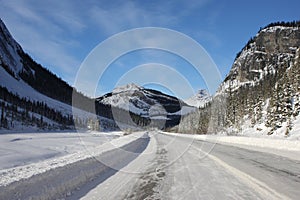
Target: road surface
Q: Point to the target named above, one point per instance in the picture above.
(159, 166)
(183, 168)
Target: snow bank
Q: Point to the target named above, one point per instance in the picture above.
(58, 176)
(295, 132)
(19, 149)
(272, 143)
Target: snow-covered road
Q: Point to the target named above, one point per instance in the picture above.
(213, 171)
(160, 166)
(183, 168)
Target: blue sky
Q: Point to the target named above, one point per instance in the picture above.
(60, 34)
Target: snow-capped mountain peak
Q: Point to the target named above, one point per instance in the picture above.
(126, 88)
(144, 102)
(199, 99)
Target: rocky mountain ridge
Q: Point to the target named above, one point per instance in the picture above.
(33, 98)
(147, 103)
(199, 99)
(261, 93)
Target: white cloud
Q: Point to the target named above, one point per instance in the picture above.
(124, 15)
(49, 30)
(41, 33)
(128, 15)
(174, 42)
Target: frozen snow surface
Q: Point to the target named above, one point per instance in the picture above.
(124, 97)
(263, 142)
(275, 28)
(282, 147)
(52, 150)
(153, 165)
(181, 167)
(295, 132)
(58, 176)
(25, 148)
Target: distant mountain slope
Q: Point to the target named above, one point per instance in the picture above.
(147, 103)
(142, 101)
(199, 99)
(32, 97)
(262, 90)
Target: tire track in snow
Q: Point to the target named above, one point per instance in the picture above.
(149, 183)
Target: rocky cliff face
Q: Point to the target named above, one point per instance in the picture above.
(269, 51)
(261, 91)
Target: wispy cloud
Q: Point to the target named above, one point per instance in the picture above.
(43, 33)
(156, 38)
(54, 32)
(127, 15)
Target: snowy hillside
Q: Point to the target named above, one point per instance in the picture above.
(31, 97)
(199, 99)
(145, 102)
(11, 66)
(261, 93)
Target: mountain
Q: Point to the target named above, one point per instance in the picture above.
(21, 104)
(20, 66)
(33, 98)
(261, 93)
(147, 103)
(199, 99)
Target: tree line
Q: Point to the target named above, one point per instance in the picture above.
(16, 108)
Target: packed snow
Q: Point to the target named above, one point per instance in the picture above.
(295, 132)
(171, 166)
(281, 147)
(21, 149)
(25, 155)
(184, 168)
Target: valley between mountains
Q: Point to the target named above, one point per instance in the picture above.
(242, 142)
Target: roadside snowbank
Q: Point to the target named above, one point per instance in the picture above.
(17, 149)
(59, 175)
(295, 132)
(272, 143)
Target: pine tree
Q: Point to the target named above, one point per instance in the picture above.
(2, 115)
